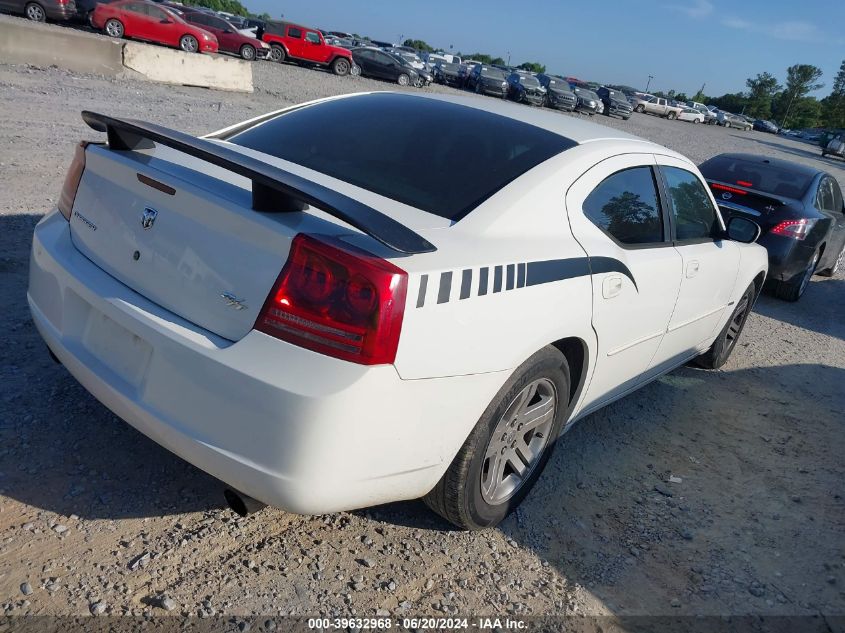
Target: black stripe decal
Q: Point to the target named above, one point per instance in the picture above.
(520, 275)
(497, 279)
(556, 270)
(423, 287)
(600, 265)
(482, 281)
(466, 282)
(511, 274)
(445, 287)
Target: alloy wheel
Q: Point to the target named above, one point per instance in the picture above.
(735, 327)
(518, 441)
(35, 13)
(114, 28)
(808, 274)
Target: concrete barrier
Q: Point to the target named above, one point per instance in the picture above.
(189, 69)
(25, 42)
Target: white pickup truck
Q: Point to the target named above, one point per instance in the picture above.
(655, 105)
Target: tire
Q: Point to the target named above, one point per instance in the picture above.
(625, 118)
(640, 108)
(189, 44)
(470, 494)
(477, 88)
(341, 66)
(403, 79)
(35, 12)
(671, 116)
(114, 28)
(720, 351)
(696, 121)
(793, 289)
(248, 52)
(277, 53)
(727, 124)
(837, 265)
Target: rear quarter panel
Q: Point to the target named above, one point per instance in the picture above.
(474, 305)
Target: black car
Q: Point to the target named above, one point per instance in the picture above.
(488, 80)
(616, 102)
(799, 209)
(447, 74)
(372, 62)
(587, 100)
(525, 88)
(762, 125)
(558, 93)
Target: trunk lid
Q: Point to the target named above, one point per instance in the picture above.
(188, 241)
(766, 209)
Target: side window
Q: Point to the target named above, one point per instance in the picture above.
(692, 212)
(294, 32)
(824, 198)
(837, 197)
(626, 206)
(311, 36)
(136, 8)
(156, 14)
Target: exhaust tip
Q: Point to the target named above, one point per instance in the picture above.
(241, 504)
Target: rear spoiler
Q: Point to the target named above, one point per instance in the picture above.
(274, 190)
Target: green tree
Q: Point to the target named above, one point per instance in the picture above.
(833, 106)
(761, 91)
(682, 97)
(801, 79)
(731, 102)
(534, 67)
(700, 97)
(420, 45)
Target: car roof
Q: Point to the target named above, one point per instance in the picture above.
(779, 163)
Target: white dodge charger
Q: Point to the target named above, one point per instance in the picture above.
(289, 306)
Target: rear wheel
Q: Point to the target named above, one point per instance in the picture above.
(671, 116)
(277, 53)
(724, 344)
(696, 121)
(403, 80)
(341, 66)
(189, 44)
(35, 12)
(640, 108)
(505, 453)
(793, 289)
(355, 71)
(113, 28)
(248, 52)
(727, 123)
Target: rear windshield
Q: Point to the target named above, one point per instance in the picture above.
(759, 176)
(529, 80)
(408, 148)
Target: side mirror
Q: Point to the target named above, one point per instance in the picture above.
(743, 230)
(227, 30)
(165, 21)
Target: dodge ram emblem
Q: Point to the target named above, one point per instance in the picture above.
(149, 218)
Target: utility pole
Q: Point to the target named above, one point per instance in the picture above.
(650, 77)
(785, 116)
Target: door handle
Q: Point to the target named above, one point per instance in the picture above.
(692, 268)
(611, 287)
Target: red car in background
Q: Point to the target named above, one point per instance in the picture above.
(148, 21)
(228, 38)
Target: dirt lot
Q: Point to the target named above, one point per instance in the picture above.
(96, 518)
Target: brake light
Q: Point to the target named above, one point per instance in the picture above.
(714, 185)
(337, 301)
(796, 229)
(744, 183)
(72, 179)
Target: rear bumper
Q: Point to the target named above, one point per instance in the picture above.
(788, 257)
(57, 11)
(290, 427)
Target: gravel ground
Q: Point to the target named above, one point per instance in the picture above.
(95, 518)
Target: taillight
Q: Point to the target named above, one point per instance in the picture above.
(796, 229)
(74, 175)
(337, 301)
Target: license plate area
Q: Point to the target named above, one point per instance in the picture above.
(118, 349)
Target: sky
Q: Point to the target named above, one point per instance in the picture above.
(681, 43)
